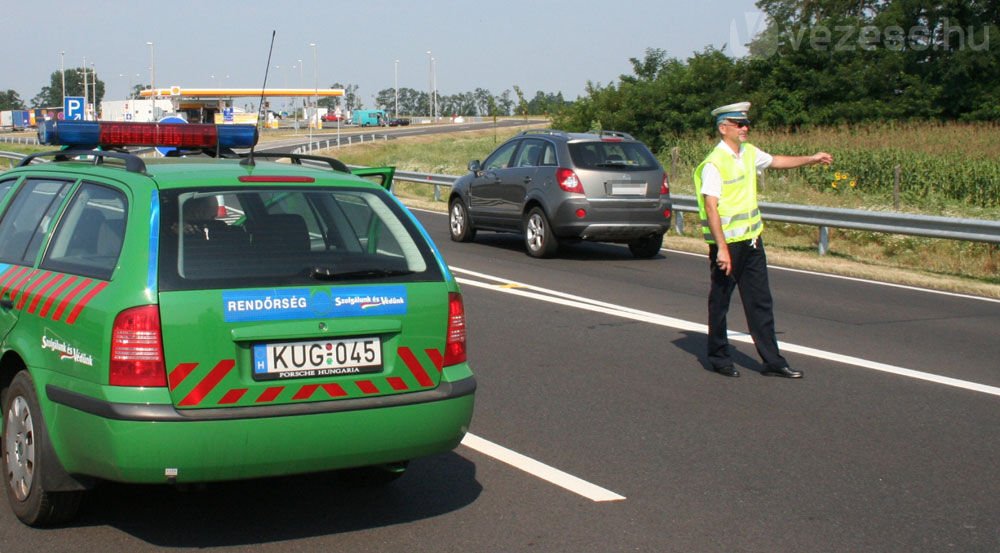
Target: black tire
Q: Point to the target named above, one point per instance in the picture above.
(23, 452)
(538, 237)
(647, 246)
(459, 222)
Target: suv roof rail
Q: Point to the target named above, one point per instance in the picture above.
(616, 134)
(335, 164)
(551, 132)
(133, 163)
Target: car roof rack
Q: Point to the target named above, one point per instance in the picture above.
(550, 132)
(133, 163)
(616, 134)
(335, 164)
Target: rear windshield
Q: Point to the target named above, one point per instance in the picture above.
(226, 238)
(612, 155)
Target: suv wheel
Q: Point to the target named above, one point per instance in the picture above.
(24, 455)
(647, 246)
(538, 235)
(460, 223)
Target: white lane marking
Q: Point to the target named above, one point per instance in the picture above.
(569, 300)
(540, 470)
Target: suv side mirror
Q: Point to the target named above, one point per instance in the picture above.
(475, 166)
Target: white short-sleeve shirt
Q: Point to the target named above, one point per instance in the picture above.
(711, 179)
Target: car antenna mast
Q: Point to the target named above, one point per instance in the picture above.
(249, 159)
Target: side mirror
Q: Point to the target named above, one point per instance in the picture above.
(475, 167)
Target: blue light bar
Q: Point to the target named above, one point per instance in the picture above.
(115, 134)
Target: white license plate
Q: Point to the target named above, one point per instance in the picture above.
(317, 358)
(638, 189)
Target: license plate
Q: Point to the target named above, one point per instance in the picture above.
(628, 189)
(342, 357)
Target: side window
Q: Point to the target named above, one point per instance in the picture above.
(89, 238)
(527, 156)
(501, 158)
(549, 156)
(28, 218)
(5, 187)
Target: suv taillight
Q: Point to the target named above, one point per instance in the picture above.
(454, 347)
(665, 187)
(568, 180)
(137, 348)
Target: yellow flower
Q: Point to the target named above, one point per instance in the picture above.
(853, 183)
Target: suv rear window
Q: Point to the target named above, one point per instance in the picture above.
(612, 155)
(259, 237)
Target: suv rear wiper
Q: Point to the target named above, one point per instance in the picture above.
(327, 273)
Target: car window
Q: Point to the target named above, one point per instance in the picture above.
(5, 187)
(500, 159)
(89, 237)
(528, 155)
(549, 155)
(614, 155)
(27, 219)
(287, 236)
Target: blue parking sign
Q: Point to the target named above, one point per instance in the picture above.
(73, 108)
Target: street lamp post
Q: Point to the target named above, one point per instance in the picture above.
(315, 94)
(93, 83)
(152, 68)
(395, 80)
(62, 68)
(85, 95)
(430, 86)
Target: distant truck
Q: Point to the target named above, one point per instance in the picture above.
(17, 119)
(369, 117)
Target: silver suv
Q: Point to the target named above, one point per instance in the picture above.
(555, 186)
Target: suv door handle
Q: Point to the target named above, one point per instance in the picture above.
(527, 180)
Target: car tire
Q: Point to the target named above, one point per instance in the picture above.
(24, 456)
(647, 246)
(459, 222)
(538, 237)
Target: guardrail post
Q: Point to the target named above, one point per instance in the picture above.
(437, 193)
(824, 240)
(895, 187)
(679, 223)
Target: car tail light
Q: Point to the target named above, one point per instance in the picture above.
(568, 180)
(137, 348)
(665, 186)
(454, 348)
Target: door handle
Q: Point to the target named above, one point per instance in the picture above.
(527, 180)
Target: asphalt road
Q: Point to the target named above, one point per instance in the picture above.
(592, 364)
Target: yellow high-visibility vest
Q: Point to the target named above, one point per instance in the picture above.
(738, 204)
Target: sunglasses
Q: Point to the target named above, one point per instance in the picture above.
(740, 123)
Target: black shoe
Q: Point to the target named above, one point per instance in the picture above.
(728, 370)
(785, 372)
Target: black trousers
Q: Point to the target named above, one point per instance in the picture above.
(749, 273)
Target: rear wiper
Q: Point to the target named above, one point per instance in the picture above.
(326, 273)
(612, 164)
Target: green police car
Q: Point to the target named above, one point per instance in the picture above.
(199, 318)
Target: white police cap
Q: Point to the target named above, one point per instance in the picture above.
(738, 110)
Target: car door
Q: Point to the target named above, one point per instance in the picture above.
(486, 188)
(517, 179)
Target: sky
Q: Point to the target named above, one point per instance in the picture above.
(538, 45)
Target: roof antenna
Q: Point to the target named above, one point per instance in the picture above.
(249, 159)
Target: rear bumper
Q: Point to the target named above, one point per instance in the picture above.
(611, 221)
(146, 443)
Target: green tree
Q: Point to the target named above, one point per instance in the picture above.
(9, 99)
(52, 95)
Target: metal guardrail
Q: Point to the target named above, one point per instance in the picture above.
(973, 230)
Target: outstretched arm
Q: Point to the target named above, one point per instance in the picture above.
(791, 162)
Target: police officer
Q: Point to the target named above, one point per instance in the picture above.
(726, 188)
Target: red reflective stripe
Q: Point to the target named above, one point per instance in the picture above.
(83, 303)
(367, 386)
(436, 358)
(335, 390)
(397, 383)
(69, 297)
(48, 302)
(43, 291)
(30, 289)
(305, 392)
(11, 277)
(232, 396)
(179, 373)
(269, 394)
(418, 371)
(16, 289)
(211, 381)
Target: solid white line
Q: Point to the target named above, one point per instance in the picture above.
(554, 296)
(541, 470)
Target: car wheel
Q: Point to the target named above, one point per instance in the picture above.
(23, 453)
(538, 235)
(459, 222)
(647, 246)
